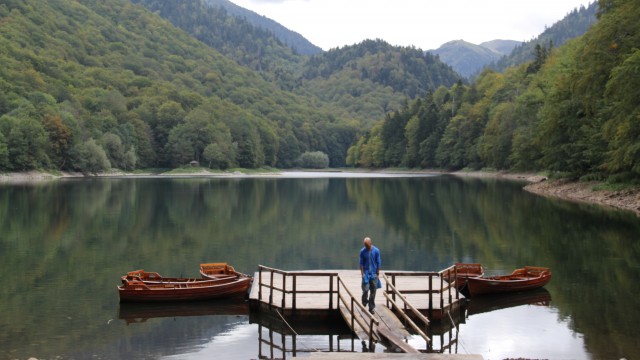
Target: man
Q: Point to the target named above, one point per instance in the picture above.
(370, 270)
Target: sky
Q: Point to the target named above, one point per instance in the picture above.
(425, 24)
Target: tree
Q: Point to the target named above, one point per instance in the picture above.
(112, 145)
(27, 143)
(4, 153)
(59, 140)
(90, 157)
(314, 160)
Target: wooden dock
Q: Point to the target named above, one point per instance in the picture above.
(405, 304)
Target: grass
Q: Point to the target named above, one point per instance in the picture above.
(614, 186)
(186, 170)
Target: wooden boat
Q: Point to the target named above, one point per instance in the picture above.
(219, 270)
(155, 278)
(527, 278)
(194, 289)
(141, 285)
(464, 271)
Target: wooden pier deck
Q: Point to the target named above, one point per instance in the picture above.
(313, 293)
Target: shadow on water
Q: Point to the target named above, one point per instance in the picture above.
(64, 245)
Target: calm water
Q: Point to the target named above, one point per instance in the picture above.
(63, 246)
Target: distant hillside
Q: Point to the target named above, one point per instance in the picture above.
(575, 24)
(235, 37)
(503, 47)
(373, 77)
(291, 38)
(467, 58)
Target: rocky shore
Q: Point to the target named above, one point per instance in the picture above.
(627, 199)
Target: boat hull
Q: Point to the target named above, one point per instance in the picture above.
(135, 291)
(521, 280)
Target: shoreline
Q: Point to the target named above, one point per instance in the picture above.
(625, 199)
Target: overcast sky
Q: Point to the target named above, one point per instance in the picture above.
(426, 24)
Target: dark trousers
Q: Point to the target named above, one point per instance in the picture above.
(369, 293)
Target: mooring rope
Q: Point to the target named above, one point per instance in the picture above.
(297, 335)
(464, 348)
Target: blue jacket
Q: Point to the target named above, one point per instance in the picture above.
(370, 262)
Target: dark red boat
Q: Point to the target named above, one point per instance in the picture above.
(527, 278)
(219, 270)
(465, 271)
(140, 285)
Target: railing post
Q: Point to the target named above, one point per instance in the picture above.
(370, 332)
(330, 292)
(259, 283)
(393, 281)
(353, 318)
(450, 295)
(284, 290)
(295, 294)
(338, 292)
(430, 292)
(271, 290)
(455, 272)
(441, 294)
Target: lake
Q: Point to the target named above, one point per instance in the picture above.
(64, 245)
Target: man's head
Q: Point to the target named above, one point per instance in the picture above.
(367, 243)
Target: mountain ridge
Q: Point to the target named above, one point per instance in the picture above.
(467, 58)
(291, 38)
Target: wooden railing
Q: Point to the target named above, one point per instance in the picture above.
(266, 277)
(351, 303)
(403, 310)
(293, 290)
(446, 279)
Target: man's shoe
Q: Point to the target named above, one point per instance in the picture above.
(371, 311)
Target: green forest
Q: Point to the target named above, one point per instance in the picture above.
(96, 85)
(574, 110)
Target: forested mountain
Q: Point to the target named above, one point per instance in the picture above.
(362, 81)
(92, 84)
(291, 38)
(573, 110)
(468, 59)
(373, 77)
(576, 23)
(233, 36)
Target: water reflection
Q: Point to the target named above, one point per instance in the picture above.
(63, 246)
(133, 313)
(492, 302)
